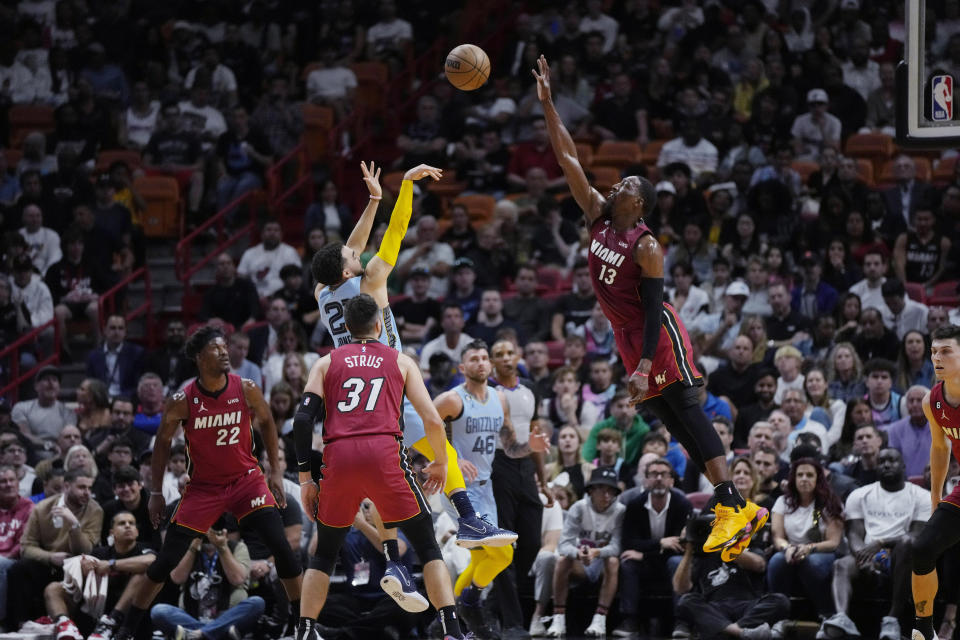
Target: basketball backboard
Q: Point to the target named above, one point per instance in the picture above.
(927, 113)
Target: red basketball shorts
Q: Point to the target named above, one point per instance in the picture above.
(673, 359)
(373, 467)
(202, 504)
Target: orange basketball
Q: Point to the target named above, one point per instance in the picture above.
(467, 67)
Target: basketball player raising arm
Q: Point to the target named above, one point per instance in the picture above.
(626, 269)
(941, 405)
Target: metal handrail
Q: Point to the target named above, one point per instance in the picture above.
(12, 351)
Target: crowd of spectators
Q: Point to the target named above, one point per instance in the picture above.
(798, 289)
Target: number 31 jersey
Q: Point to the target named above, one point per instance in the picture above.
(476, 431)
(363, 392)
(219, 433)
(331, 303)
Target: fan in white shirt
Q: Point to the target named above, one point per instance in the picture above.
(42, 242)
(262, 263)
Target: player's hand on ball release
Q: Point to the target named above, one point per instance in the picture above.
(156, 507)
(371, 175)
(539, 441)
(543, 79)
(276, 487)
(309, 498)
(436, 477)
(422, 171)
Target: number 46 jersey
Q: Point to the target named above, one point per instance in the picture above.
(476, 431)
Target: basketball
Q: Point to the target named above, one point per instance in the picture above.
(467, 67)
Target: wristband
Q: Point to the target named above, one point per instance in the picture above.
(156, 493)
(306, 482)
(641, 374)
(376, 197)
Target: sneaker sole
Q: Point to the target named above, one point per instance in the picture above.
(732, 552)
(413, 602)
(726, 543)
(489, 541)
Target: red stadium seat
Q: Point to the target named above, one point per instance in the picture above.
(916, 291)
(699, 499)
(555, 354)
(945, 294)
(612, 153)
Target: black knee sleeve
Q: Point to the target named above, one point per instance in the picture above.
(688, 422)
(941, 532)
(175, 546)
(419, 531)
(268, 524)
(329, 541)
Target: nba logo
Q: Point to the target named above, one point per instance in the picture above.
(941, 88)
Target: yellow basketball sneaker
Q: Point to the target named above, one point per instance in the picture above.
(760, 517)
(728, 526)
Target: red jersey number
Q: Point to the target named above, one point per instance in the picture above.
(355, 387)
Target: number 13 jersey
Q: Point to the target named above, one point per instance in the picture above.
(363, 392)
(219, 433)
(476, 431)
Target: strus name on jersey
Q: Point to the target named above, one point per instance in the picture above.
(218, 420)
(606, 254)
(484, 423)
(363, 361)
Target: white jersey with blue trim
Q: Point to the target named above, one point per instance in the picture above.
(331, 301)
(476, 431)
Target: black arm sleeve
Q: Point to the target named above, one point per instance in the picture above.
(651, 292)
(307, 413)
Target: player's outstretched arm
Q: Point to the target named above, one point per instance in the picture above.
(311, 406)
(361, 232)
(378, 269)
(565, 149)
(416, 391)
(265, 424)
(939, 455)
(508, 436)
(174, 413)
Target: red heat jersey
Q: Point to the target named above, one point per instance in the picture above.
(219, 432)
(362, 391)
(947, 417)
(615, 275)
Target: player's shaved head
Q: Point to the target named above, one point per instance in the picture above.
(360, 314)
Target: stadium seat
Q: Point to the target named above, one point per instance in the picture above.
(651, 152)
(699, 499)
(924, 172)
(24, 118)
(916, 291)
(865, 171)
(162, 194)
(662, 129)
(805, 169)
(917, 480)
(612, 153)
(480, 207)
(549, 279)
(446, 187)
(873, 146)
(555, 353)
(372, 81)
(604, 178)
(943, 174)
(945, 294)
(317, 123)
(108, 156)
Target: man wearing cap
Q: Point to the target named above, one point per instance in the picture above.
(813, 297)
(41, 419)
(905, 313)
(721, 328)
(589, 549)
(417, 314)
(816, 129)
(465, 292)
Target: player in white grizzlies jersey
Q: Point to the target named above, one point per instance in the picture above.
(340, 276)
(479, 419)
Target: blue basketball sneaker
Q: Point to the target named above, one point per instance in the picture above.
(477, 530)
(398, 584)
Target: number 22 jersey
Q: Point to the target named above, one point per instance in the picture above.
(219, 433)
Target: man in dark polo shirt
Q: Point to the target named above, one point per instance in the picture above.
(735, 379)
(784, 326)
(232, 298)
(417, 315)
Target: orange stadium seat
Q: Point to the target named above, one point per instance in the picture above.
(651, 152)
(612, 153)
(108, 156)
(162, 217)
(805, 169)
(317, 122)
(480, 207)
(604, 178)
(447, 187)
(372, 80)
(24, 118)
(585, 154)
(392, 181)
(875, 146)
(865, 170)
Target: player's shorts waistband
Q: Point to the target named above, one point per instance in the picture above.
(353, 438)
